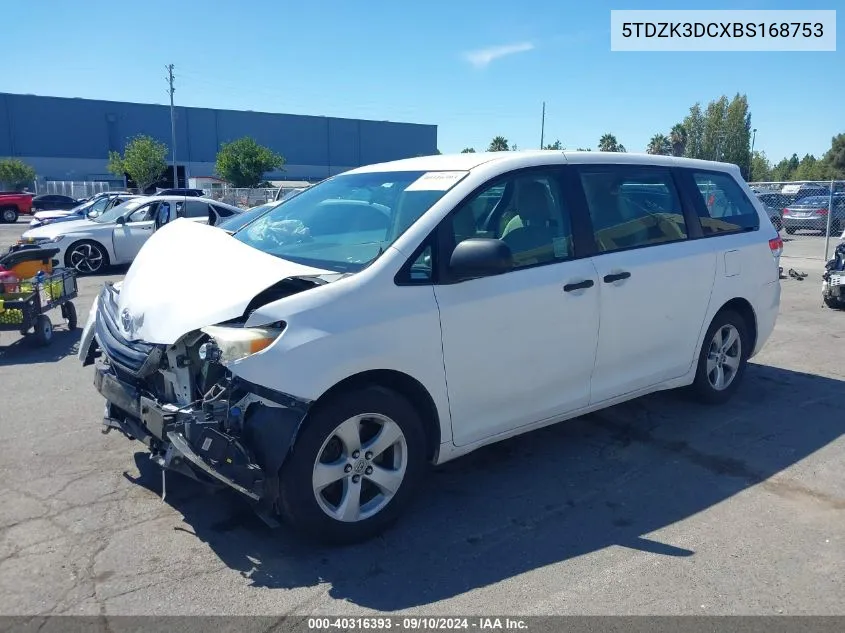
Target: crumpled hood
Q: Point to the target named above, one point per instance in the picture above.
(189, 275)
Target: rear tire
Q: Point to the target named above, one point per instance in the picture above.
(722, 359)
(8, 215)
(69, 314)
(354, 506)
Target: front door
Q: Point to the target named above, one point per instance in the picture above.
(128, 238)
(655, 283)
(519, 347)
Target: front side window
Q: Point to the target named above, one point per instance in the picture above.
(526, 212)
(112, 214)
(632, 206)
(728, 209)
(144, 214)
(344, 223)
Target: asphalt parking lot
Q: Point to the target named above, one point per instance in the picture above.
(658, 506)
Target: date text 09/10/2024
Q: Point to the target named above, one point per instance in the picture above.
(380, 623)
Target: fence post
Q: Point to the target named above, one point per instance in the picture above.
(829, 221)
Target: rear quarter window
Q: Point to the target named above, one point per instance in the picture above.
(725, 208)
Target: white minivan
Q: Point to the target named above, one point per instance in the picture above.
(407, 313)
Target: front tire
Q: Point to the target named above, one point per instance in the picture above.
(87, 258)
(722, 359)
(354, 467)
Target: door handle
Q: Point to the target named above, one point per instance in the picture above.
(609, 279)
(587, 283)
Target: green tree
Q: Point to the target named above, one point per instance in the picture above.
(584, 149)
(835, 156)
(660, 145)
(678, 139)
(761, 169)
(694, 126)
(608, 143)
(785, 169)
(144, 161)
(555, 146)
(16, 174)
(811, 168)
(499, 144)
(736, 130)
(468, 150)
(243, 162)
(714, 129)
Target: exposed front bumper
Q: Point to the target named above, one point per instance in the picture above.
(180, 438)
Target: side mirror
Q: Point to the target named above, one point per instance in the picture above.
(480, 257)
(120, 220)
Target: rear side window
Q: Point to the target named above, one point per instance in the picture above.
(195, 209)
(726, 207)
(632, 206)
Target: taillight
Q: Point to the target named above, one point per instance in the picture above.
(776, 246)
(822, 211)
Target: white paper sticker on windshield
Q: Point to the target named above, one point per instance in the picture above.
(436, 181)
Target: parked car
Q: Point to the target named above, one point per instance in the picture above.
(13, 204)
(811, 214)
(115, 236)
(54, 202)
(315, 360)
(195, 193)
(773, 203)
(91, 209)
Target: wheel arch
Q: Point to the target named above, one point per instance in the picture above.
(401, 383)
(744, 309)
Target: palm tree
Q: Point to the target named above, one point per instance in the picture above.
(678, 139)
(468, 150)
(660, 145)
(608, 143)
(499, 144)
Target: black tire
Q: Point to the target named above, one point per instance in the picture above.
(43, 330)
(8, 215)
(702, 389)
(297, 499)
(69, 314)
(834, 303)
(91, 248)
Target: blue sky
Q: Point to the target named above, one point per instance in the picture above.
(427, 62)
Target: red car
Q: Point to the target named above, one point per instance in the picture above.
(13, 204)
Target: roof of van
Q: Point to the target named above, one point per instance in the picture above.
(524, 158)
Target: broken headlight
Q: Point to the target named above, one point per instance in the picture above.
(228, 344)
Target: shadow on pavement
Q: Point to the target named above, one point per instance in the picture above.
(607, 479)
(25, 350)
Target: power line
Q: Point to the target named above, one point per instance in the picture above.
(172, 123)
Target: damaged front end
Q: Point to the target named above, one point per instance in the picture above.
(196, 416)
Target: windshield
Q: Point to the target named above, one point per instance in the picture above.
(237, 222)
(343, 223)
(115, 212)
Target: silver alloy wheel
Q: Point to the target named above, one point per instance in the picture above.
(360, 467)
(723, 357)
(9, 216)
(86, 258)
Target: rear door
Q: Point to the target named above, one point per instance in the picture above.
(196, 210)
(654, 281)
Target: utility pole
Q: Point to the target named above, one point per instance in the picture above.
(543, 126)
(172, 124)
(751, 160)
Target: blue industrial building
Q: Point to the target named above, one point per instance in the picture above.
(70, 139)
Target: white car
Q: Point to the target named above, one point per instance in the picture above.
(410, 312)
(114, 237)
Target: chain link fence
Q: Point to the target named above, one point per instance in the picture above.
(246, 198)
(809, 215)
(72, 188)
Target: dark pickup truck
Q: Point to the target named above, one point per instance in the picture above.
(13, 204)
